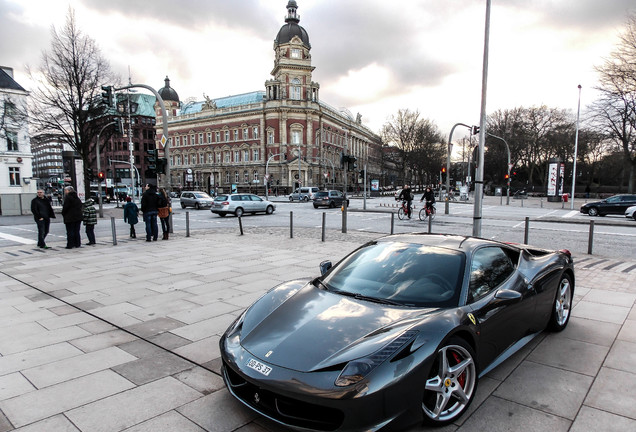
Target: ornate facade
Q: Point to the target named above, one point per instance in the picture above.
(238, 140)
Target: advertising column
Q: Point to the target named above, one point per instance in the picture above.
(555, 180)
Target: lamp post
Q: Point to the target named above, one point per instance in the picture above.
(99, 169)
(576, 147)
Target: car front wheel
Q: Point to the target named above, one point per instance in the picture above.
(562, 305)
(197, 206)
(291, 198)
(451, 383)
(238, 212)
(269, 210)
(593, 211)
(183, 205)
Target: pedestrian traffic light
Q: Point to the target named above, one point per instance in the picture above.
(107, 96)
(151, 160)
(443, 169)
(101, 175)
(161, 165)
(361, 173)
(119, 125)
(474, 130)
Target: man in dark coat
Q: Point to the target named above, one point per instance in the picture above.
(72, 212)
(42, 213)
(150, 209)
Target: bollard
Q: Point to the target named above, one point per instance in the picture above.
(170, 221)
(392, 223)
(541, 202)
(527, 230)
(240, 225)
(112, 225)
(590, 241)
(430, 224)
(344, 216)
(291, 224)
(187, 224)
(522, 200)
(324, 220)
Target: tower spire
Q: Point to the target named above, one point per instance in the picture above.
(292, 16)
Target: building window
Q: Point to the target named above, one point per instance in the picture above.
(185, 159)
(227, 136)
(9, 108)
(227, 157)
(200, 138)
(295, 137)
(218, 158)
(246, 134)
(12, 141)
(227, 177)
(210, 158)
(246, 155)
(255, 132)
(14, 176)
(201, 158)
(295, 53)
(295, 89)
(209, 137)
(217, 136)
(255, 177)
(255, 155)
(192, 142)
(236, 176)
(270, 137)
(246, 177)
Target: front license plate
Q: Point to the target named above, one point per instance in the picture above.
(259, 367)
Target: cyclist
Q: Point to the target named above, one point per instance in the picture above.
(406, 195)
(429, 196)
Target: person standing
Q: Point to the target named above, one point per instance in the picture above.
(89, 215)
(72, 213)
(164, 212)
(149, 207)
(130, 216)
(42, 213)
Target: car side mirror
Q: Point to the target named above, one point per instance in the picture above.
(508, 296)
(325, 266)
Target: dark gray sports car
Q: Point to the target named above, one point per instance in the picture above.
(398, 331)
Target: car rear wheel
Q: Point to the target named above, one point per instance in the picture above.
(183, 205)
(305, 198)
(451, 384)
(593, 211)
(332, 204)
(562, 305)
(196, 206)
(269, 210)
(238, 212)
(291, 198)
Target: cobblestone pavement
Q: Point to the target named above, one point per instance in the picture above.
(112, 338)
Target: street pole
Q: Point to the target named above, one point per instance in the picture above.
(576, 147)
(479, 175)
(130, 150)
(99, 169)
(508, 149)
(448, 157)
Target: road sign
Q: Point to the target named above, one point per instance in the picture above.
(163, 140)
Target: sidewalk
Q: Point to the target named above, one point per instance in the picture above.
(125, 337)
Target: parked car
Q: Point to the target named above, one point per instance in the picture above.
(238, 204)
(616, 204)
(195, 199)
(106, 198)
(331, 199)
(399, 330)
(630, 213)
(304, 194)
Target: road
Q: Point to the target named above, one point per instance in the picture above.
(552, 225)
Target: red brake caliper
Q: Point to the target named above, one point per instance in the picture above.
(462, 378)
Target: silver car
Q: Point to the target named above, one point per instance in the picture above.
(195, 199)
(241, 203)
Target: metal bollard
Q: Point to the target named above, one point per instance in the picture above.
(240, 225)
(291, 224)
(541, 202)
(590, 240)
(170, 221)
(324, 221)
(430, 224)
(187, 224)
(344, 216)
(392, 223)
(527, 230)
(112, 225)
(522, 200)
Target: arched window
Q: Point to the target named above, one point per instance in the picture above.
(295, 89)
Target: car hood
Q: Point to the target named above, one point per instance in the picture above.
(315, 329)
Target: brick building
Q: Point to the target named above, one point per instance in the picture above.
(237, 140)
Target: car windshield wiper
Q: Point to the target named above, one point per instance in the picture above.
(359, 296)
(320, 284)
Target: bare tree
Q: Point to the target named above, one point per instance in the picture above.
(400, 133)
(66, 103)
(615, 111)
(429, 152)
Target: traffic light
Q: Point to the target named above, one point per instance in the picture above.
(151, 160)
(107, 96)
(119, 126)
(101, 175)
(161, 165)
(361, 173)
(506, 176)
(474, 130)
(351, 162)
(443, 169)
(91, 173)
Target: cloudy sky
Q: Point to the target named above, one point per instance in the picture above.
(371, 56)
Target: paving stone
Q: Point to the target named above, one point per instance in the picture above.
(154, 327)
(14, 384)
(151, 368)
(44, 403)
(63, 310)
(590, 419)
(622, 356)
(504, 370)
(86, 364)
(201, 351)
(500, 415)
(594, 332)
(628, 331)
(97, 327)
(484, 389)
(608, 384)
(202, 380)
(141, 348)
(36, 357)
(169, 341)
(171, 421)
(576, 356)
(201, 313)
(66, 320)
(611, 298)
(601, 312)
(209, 412)
(5, 424)
(203, 329)
(528, 383)
(57, 423)
(133, 407)
(103, 340)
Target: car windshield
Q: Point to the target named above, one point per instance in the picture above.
(403, 273)
(202, 195)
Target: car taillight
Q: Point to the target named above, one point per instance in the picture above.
(225, 203)
(566, 252)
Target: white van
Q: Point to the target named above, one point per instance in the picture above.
(304, 194)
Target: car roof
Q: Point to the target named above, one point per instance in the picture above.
(447, 241)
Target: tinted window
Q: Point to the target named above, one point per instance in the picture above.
(235, 197)
(409, 274)
(321, 194)
(255, 198)
(221, 198)
(490, 267)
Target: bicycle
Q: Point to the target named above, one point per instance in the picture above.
(428, 212)
(403, 211)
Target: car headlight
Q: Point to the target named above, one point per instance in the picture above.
(356, 370)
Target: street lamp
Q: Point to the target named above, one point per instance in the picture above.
(576, 147)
